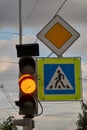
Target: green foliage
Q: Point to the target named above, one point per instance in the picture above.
(8, 124)
(82, 122)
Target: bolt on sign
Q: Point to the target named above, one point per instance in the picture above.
(58, 35)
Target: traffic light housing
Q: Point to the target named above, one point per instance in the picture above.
(31, 49)
(28, 96)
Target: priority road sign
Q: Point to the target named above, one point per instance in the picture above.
(58, 35)
(59, 79)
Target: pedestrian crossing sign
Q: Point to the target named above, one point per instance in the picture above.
(59, 79)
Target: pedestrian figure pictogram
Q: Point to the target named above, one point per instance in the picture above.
(59, 81)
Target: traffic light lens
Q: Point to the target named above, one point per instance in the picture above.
(28, 105)
(27, 84)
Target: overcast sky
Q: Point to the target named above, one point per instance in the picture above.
(35, 15)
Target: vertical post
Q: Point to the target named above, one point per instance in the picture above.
(28, 124)
(20, 23)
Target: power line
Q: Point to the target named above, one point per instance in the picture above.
(54, 16)
(9, 62)
(10, 33)
(6, 108)
(60, 7)
(30, 13)
(7, 95)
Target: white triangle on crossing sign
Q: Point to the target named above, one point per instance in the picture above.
(59, 81)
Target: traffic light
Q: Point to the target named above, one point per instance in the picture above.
(31, 49)
(28, 96)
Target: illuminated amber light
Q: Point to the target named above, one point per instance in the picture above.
(27, 84)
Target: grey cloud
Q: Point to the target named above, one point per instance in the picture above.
(42, 13)
(75, 11)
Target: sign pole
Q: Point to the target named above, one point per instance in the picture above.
(28, 123)
(20, 23)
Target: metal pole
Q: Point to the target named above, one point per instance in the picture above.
(28, 124)
(20, 23)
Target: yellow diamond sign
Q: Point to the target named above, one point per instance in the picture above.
(58, 35)
(58, 38)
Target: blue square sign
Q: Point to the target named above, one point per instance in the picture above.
(59, 79)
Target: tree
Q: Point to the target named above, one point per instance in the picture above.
(82, 122)
(8, 124)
